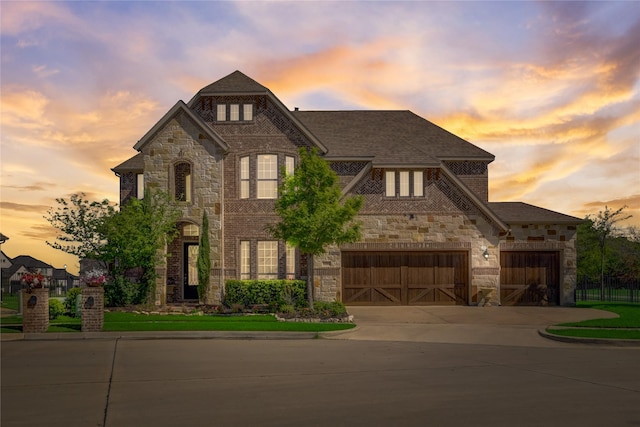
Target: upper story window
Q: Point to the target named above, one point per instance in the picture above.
(267, 176)
(244, 178)
(182, 182)
(140, 186)
(259, 175)
(289, 165)
(234, 112)
(404, 184)
(221, 114)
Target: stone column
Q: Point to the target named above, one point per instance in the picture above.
(92, 309)
(35, 310)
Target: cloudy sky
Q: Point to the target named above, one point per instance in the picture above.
(551, 88)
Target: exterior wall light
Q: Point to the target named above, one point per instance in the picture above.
(485, 252)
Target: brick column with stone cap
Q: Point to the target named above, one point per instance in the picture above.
(35, 310)
(92, 309)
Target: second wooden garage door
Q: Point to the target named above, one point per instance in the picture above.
(405, 278)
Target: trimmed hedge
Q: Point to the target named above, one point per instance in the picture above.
(274, 293)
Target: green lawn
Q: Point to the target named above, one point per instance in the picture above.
(10, 301)
(617, 328)
(121, 322)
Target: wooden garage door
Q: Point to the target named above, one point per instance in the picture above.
(405, 278)
(529, 278)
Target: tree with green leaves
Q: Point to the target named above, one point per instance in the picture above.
(136, 236)
(81, 226)
(313, 212)
(204, 260)
(604, 225)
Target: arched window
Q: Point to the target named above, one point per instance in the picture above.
(182, 184)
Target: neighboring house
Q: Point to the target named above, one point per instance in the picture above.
(20, 265)
(430, 234)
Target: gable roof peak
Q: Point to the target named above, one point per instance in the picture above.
(236, 82)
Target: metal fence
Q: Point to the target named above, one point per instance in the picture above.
(615, 290)
(14, 288)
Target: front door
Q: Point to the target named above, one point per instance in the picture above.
(190, 271)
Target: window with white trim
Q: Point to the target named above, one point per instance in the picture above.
(245, 260)
(267, 176)
(244, 178)
(268, 260)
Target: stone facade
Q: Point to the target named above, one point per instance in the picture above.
(195, 155)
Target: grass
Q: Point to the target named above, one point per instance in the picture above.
(123, 322)
(621, 327)
(10, 301)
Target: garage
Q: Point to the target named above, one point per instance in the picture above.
(405, 278)
(530, 278)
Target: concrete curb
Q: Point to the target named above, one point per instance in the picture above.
(584, 340)
(161, 335)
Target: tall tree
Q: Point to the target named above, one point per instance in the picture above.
(313, 213)
(80, 225)
(604, 223)
(204, 260)
(137, 234)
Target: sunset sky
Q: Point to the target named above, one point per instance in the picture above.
(551, 89)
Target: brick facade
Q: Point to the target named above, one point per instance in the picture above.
(92, 306)
(35, 310)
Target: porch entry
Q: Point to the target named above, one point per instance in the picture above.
(190, 271)
(405, 278)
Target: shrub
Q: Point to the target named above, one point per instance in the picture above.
(56, 308)
(330, 309)
(120, 292)
(273, 293)
(70, 301)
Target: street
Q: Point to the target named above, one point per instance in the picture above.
(218, 382)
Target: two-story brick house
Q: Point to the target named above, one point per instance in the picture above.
(430, 234)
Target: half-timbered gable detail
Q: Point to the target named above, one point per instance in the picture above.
(430, 234)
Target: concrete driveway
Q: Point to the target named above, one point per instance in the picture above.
(512, 326)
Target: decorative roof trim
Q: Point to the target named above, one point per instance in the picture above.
(479, 203)
(356, 179)
(180, 106)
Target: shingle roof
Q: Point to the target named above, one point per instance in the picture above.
(389, 137)
(134, 164)
(523, 213)
(26, 261)
(235, 82)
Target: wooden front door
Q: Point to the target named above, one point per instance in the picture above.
(530, 278)
(405, 278)
(190, 271)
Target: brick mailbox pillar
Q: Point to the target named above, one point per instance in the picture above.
(92, 309)
(35, 310)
